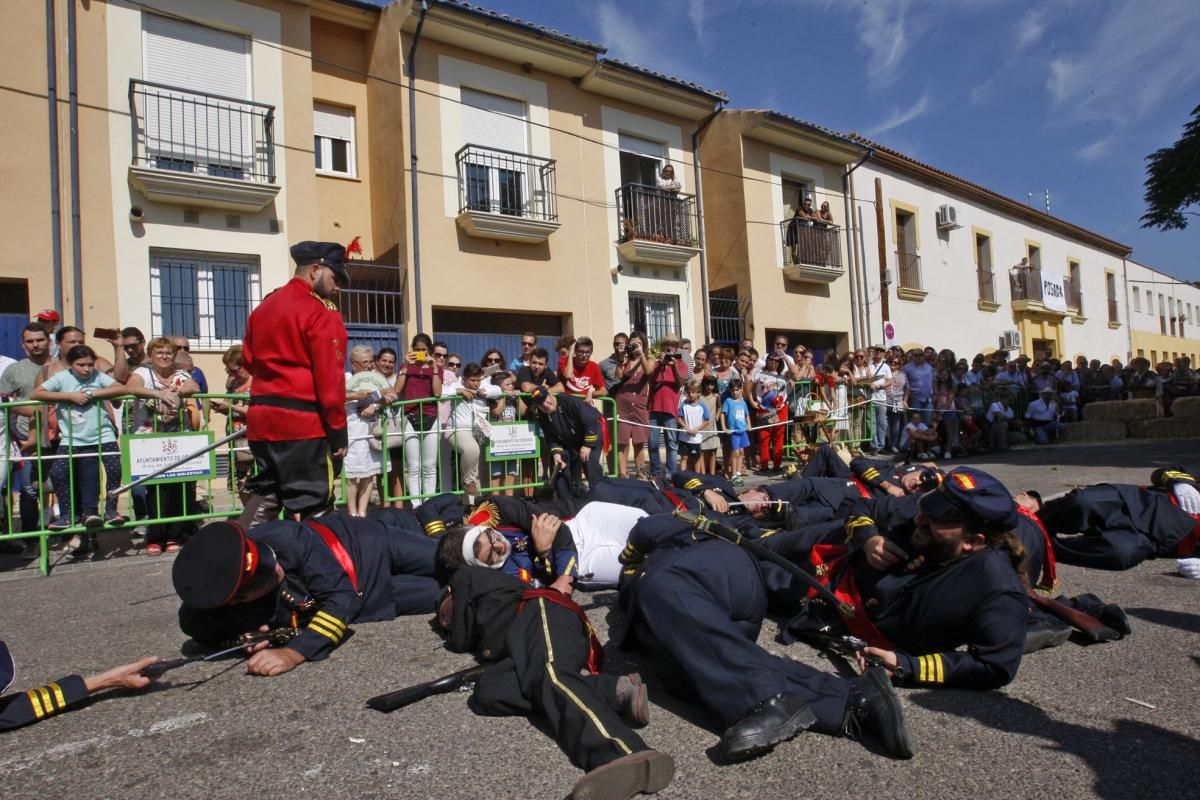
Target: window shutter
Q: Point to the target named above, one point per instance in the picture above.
(493, 121)
(636, 144)
(333, 123)
(196, 58)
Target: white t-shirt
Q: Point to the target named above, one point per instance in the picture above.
(997, 411)
(694, 416)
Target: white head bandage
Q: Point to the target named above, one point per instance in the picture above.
(468, 548)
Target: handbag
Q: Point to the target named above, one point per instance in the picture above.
(395, 432)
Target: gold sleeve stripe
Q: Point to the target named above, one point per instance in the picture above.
(321, 629)
(37, 705)
(871, 474)
(591, 437)
(47, 700)
(570, 567)
(331, 620)
(59, 698)
(941, 673)
(435, 527)
(694, 483)
(921, 669)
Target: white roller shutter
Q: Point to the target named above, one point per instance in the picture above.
(636, 144)
(333, 123)
(197, 58)
(490, 120)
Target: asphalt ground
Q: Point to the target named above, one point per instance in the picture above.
(1117, 720)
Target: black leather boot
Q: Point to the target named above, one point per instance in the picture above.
(875, 709)
(774, 720)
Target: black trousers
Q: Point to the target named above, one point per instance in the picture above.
(299, 474)
(1108, 538)
(700, 608)
(825, 463)
(548, 649)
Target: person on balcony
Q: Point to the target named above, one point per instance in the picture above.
(1019, 275)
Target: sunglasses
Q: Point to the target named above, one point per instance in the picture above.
(439, 355)
(453, 364)
(130, 347)
(491, 361)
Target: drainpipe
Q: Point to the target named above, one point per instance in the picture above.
(700, 219)
(73, 89)
(55, 198)
(1128, 316)
(412, 148)
(856, 300)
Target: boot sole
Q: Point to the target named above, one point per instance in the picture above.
(750, 746)
(643, 772)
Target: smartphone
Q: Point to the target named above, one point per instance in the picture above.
(106, 333)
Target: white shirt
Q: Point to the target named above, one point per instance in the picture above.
(1041, 411)
(880, 374)
(997, 410)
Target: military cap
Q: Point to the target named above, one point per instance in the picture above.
(217, 563)
(327, 254)
(972, 496)
(539, 394)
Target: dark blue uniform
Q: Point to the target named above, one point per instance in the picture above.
(35, 705)
(574, 424)
(393, 568)
(870, 472)
(794, 503)
(1121, 525)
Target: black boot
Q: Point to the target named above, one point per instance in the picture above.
(1110, 614)
(874, 708)
(1043, 631)
(774, 720)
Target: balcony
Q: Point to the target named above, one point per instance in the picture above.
(505, 195)
(657, 226)
(987, 290)
(197, 149)
(908, 269)
(811, 251)
(1027, 288)
(1114, 320)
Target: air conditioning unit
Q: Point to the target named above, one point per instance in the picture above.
(947, 218)
(1010, 340)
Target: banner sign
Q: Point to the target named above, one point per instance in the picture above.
(144, 453)
(1054, 292)
(513, 440)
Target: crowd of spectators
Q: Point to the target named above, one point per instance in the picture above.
(719, 407)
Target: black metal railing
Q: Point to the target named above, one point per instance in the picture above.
(205, 134)
(807, 241)
(728, 315)
(375, 295)
(656, 215)
(1074, 296)
(503, 182)
(1025, 283)
(1112, 311)
(908, 267)
(987, 285)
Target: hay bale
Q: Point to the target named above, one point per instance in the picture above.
(1122, 410)
(1186, 408)
(1167, 428)
(1095, 431)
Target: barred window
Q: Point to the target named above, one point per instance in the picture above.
(205, 297)
(654, 314)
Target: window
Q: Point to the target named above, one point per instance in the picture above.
(794, 192)
(333, 140)
(906, 251)
(203, 296)
(497, 183)
(641, 159)
(654, 314)
(1074, 289)
(1110, 291)
(1137, 299)
(983, 252)
(1034, 253)
(1162, 315)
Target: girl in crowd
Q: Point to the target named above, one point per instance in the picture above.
(417, 379)
(504, 409)
(711, 399)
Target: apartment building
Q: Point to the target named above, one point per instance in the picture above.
(954, 264)
(771, 272)
(1162, 315)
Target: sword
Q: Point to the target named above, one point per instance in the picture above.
(719, 530)
(159, 667)
(122, 489)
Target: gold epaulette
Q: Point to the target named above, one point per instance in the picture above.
(332, 306)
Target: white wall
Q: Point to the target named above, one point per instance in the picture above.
(949, 315)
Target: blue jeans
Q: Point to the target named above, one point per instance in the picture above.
(925, 406)
(895, 426)
(1044, 434)
(671, 434)
(879, 435)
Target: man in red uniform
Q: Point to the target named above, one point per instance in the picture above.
(295, 349)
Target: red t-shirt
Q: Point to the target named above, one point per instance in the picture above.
(586, 378)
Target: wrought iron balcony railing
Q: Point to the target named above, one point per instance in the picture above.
(205, 134)
(908, 267)
(656, 215)
(503, 182)
(811, 243)
(987, 285)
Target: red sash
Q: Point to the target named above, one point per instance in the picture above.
(595, 658)
(335, 546)
(674, 499)
(862, 488)
(1190, 543)
(1049, 578)
(825, 559)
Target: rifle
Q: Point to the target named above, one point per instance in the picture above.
(1091, 627)
(278, 637)
(460, 681)
(719, 530)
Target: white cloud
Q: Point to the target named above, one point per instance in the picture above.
(626, 37)
(698, 13)
(1030, 28)
(1140, 53)
(883, 31)
(903, 116)
(1096, 150)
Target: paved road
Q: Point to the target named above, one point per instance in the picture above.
(1067, 727)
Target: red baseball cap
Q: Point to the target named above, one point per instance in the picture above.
(48, 315)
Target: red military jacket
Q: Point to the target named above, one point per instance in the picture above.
(295, 350)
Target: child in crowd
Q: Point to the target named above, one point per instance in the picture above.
(735, 420)
(693, 418)
(504, 409)
(917, 438)
(711, 400)
(1068, 401)
(89, 440)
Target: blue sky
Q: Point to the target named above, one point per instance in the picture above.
(1020, 97)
